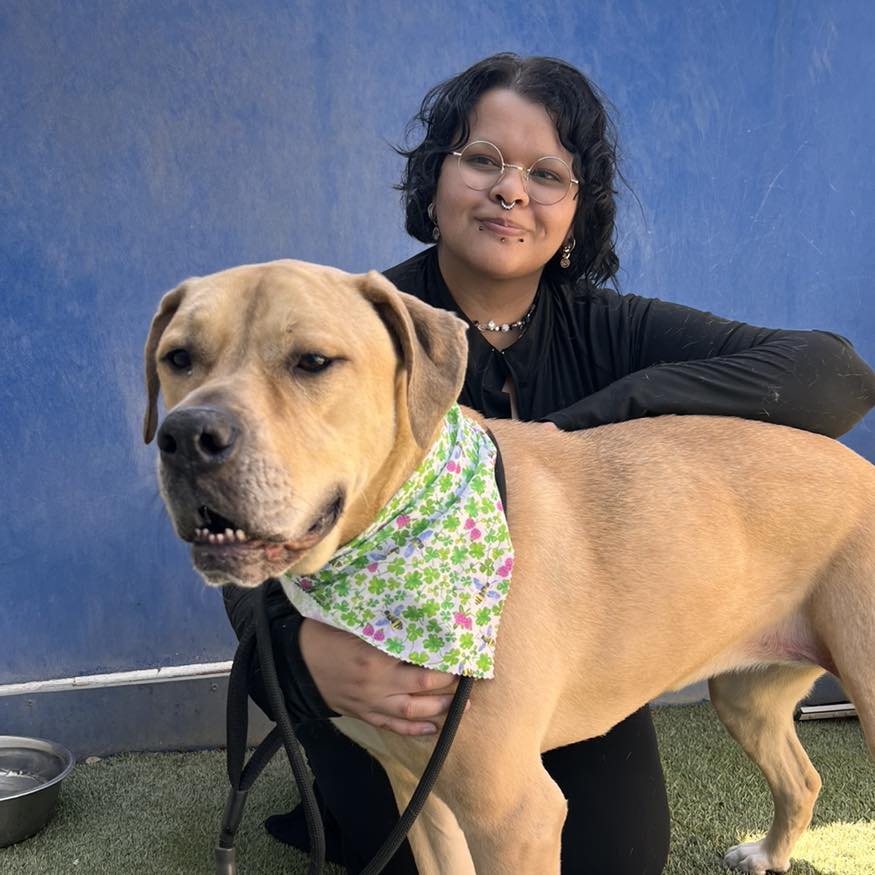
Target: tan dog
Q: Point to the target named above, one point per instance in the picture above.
(649, 554)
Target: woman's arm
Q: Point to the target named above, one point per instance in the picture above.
(675, 359)
(325, 672)
(300, 692)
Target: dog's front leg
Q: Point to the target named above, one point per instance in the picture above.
(510, 809)
(438, 843)
(436, 839)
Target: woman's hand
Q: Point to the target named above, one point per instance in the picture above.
(358, 680)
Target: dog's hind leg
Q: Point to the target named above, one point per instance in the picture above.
(756, 706)
(843, 613)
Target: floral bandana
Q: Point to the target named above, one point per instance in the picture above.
(427, 580)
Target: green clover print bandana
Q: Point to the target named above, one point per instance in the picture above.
(427, 581)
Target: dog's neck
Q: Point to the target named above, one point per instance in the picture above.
(405, 458)
(439, 549)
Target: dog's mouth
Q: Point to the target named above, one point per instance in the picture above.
(217, 529)
(223, 547)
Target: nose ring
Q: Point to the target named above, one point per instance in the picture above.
(505, 205)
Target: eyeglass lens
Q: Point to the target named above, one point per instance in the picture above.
(547, 180)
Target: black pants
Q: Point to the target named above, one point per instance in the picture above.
(617, 822)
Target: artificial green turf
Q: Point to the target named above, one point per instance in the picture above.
(718, 797)
(159, 813)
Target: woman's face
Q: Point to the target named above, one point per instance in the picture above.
(477, 235)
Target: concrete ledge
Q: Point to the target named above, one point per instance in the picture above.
(181, 715)
(175, 715)
(178, 715)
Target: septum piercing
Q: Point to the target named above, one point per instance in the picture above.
(505, 205)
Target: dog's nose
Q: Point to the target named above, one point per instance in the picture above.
(200, 437)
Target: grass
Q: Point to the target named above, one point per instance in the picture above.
(718, 798)
(159, 813)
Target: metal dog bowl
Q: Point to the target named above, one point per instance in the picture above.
(31, 771)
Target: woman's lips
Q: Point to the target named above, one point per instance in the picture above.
(500, 228)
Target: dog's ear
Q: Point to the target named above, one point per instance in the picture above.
(166, 310)
(433, 347)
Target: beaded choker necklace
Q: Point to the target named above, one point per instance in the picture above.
(507, 326)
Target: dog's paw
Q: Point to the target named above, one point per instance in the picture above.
(753, 857)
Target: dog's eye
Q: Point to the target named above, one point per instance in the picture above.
(178, 359)
(312, 362)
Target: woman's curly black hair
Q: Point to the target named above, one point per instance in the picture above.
(584, 129)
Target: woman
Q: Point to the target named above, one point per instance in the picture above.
(514, 181)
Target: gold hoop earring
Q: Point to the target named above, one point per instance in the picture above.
(435, 232)
(567, 249)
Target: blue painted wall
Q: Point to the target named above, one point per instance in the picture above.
(146, 141)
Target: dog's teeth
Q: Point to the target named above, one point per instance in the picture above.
(229, 536)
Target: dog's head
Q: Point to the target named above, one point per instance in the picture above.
(299, 398)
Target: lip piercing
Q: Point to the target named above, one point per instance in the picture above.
(504, 239)
(505, 205)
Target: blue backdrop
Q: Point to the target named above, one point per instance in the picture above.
(146, 141)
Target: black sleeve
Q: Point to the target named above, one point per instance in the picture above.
(302, 697)
(680, 360)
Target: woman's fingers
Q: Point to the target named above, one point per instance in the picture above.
(420, 707)
(412, 679)
(358, 680)
(400, 727)
(413, 715)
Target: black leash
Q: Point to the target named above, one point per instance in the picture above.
(256, 638)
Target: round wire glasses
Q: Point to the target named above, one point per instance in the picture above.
(547, 181)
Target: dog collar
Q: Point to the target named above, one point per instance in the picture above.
(427, 580)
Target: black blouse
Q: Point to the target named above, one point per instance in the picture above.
(591, 356)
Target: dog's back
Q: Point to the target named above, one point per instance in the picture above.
(673, 549)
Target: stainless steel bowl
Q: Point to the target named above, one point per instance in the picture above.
(31, 771)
